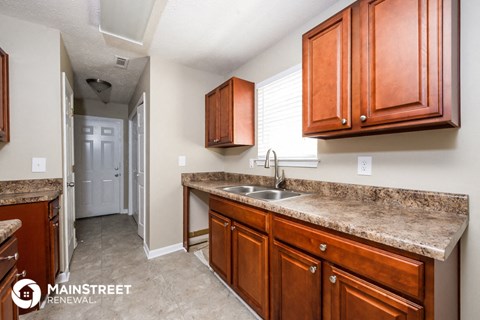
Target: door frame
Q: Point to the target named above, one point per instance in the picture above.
(122, 155)
(63, 230)
(141, 100)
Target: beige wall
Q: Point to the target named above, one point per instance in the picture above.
(177, 124)
(65, 63)
(35, 105)
(439, 160)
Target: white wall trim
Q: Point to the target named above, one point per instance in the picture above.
(124, 211)
(63, 277)
(151, 254)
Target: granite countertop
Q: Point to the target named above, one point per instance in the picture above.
(8, 227)
(28, 191)
(425, 223)
(28, 197)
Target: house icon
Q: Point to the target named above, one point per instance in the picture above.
(26, 293)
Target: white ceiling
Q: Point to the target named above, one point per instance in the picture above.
(212, 35)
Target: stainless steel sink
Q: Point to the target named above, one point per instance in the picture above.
(262, 193)
(273, 194)
(243, 189)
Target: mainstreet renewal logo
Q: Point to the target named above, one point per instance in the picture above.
(26, 293)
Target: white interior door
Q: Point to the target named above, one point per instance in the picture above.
(68, 225)
(99, 164)
(141, 167)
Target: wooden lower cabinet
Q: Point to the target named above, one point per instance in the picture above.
(347, 297)
(250, 267)
(289, 269)
(295, 284)
(8, 309)
(239, 252)
(38, 241)
(220, 246)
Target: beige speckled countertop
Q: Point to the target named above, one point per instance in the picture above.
(28, 197)
(426, 223)
(28, 191)
(8, 227)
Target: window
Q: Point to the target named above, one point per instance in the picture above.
(279, 101)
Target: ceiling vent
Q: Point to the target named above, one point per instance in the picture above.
(121, 62)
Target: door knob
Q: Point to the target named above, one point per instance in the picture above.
(71, 184)
(117, 174)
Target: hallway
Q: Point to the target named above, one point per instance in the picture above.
(175, 286)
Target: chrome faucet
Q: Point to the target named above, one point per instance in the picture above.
(278, 180)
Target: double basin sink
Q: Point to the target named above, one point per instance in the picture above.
(262, 193)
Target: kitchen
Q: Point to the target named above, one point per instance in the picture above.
(440, 160)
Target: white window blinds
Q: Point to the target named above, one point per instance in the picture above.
(279, 101)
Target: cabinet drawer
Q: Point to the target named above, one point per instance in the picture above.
(8, 256)
(395, 271)
(53, 208)
(249, 216)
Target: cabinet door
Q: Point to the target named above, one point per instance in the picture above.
(347, 297)
(296, 284)
(401, 60)
(211, 110)
(8, 309)
(220, 246)
(250, 267)
(327, 75)
(54, 250)
(225, 114)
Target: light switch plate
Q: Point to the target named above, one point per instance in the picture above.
(39, 164)
(182, 161)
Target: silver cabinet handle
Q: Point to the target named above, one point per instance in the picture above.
(23, 274)
(332, 279)
(313, 269)
(55, 224)
(225, 224)
(15, 256)
(363, 118)
(57, 208)
(233, 228)
(323, 247)
(71, 184)
(344, 121)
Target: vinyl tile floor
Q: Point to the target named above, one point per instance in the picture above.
(175, 286)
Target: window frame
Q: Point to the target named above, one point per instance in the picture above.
(303, 162)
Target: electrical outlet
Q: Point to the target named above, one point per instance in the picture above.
(364, 166)
(251, 163)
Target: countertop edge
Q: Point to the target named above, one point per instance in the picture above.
(437, 253)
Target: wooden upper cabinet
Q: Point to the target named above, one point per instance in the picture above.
(346, 297)
(326, 75)
(401, 60)
(229, 114)
(4, 98)
(402, 72)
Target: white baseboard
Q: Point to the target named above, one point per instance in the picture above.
(161, 251)
(63, 277)
(124, 211)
